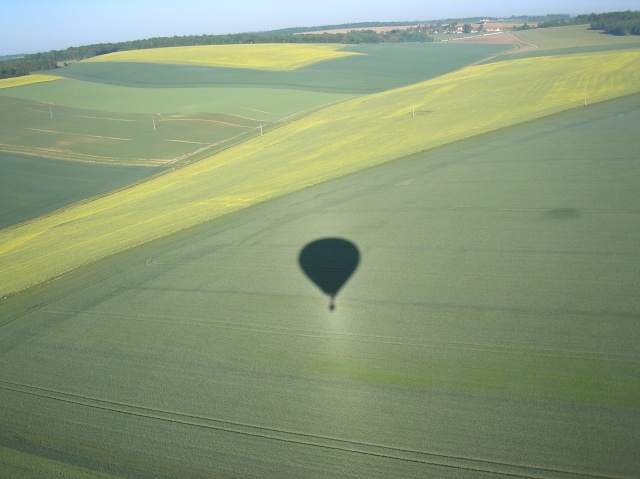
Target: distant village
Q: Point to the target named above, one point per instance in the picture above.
(453, 28)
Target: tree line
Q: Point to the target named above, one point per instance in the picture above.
(344, 26)
(57, 58)
(550, 21)
(615, 23)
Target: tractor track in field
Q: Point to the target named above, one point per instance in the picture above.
(469, 464)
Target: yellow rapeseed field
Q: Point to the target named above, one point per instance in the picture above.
(27, 80)
(259, 56)
(338, 140)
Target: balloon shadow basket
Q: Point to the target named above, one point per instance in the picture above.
(329, 263)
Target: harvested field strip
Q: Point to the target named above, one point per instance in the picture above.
(27, 80)
(328, 144)
(276, 57)
(274, 434)
(79, 134)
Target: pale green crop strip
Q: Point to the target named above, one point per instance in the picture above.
(333, 142)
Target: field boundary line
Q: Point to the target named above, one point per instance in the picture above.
(108, 119)
(33, 109)
(535, 47)
(292, 437)
(259, 111)
(194, 142)
(80, 134)
(164, 119)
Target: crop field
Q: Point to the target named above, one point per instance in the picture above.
(260, 56)
(335, 141)
(176, 312)
(372, 69)
(32, 186)
(490, 330)
(569, 41)
(274, 103)
(96, 136)
(577, 36)
(93, 119)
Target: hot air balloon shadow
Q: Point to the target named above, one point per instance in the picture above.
(329, 263)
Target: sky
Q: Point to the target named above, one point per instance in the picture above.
(31, 26)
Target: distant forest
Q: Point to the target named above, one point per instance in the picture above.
(615, 23)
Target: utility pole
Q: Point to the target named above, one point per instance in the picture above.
(50, 112)
(260, 129)
(585, 94)
(154, 122)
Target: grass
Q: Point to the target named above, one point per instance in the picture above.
(490, 329)
(27, 80)
(261, 56)
(345, 138)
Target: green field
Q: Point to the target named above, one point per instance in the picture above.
(231, 101)
(377, 68)
(121, 138)
(166, 328)
(490, 329)
(31, 186)
(578, 36)
(329, 143)
(569, 41)
(101, 114)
